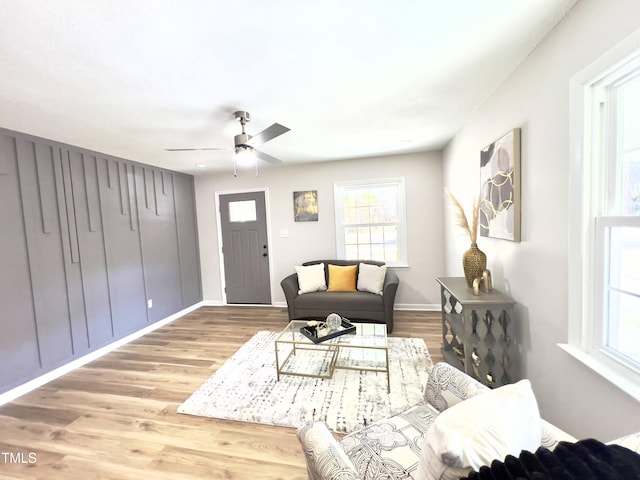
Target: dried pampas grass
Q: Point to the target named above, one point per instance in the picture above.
(461, 217)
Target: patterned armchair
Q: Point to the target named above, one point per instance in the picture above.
(390, 448)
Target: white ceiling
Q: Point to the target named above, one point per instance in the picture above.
(351, 78)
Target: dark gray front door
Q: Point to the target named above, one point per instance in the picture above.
(245, 249)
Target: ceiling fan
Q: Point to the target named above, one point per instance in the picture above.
(245, 143)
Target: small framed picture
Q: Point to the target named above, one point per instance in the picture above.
(305, 206)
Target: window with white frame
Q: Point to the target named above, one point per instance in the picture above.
(370, 220)
(605, 270)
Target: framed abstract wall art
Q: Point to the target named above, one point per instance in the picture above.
(500, 188)
(305, 206)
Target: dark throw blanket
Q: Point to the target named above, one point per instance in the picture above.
(583, 460)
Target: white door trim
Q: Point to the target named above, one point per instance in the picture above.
(219, 233)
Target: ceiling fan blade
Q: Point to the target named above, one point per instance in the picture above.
(266, 157)
(192, 149)
(267, 134)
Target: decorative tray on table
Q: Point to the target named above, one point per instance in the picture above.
(315, 334)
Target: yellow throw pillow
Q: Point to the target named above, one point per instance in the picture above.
(342, 279)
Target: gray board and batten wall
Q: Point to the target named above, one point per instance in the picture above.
(85, 240)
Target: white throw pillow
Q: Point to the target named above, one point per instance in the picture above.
(371, 278)
(481, 429)
(311, 278)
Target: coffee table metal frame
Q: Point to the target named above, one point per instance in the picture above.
(334, 353)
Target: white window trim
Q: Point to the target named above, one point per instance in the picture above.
(402, 261)
(582, 230)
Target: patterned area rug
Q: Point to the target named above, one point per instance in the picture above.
(245, 388)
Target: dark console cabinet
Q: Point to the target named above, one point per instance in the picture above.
(478, 332)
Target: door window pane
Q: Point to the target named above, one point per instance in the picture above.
(242, 211)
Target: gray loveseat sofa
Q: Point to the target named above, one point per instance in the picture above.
(356, 306)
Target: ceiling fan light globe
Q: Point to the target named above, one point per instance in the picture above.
(245, 157)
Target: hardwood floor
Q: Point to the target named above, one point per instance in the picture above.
(115, 418)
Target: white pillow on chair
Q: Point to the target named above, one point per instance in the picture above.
(311, 278)
(483, 428)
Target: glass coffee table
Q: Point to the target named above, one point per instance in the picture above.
(365, 349)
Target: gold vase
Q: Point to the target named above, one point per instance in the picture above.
(474, 262)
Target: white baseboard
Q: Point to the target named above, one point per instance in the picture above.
(418, 307)
(212, 303)
(79, 362)
(218, 303)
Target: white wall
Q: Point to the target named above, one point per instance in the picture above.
(316, 240)
(536, 99)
